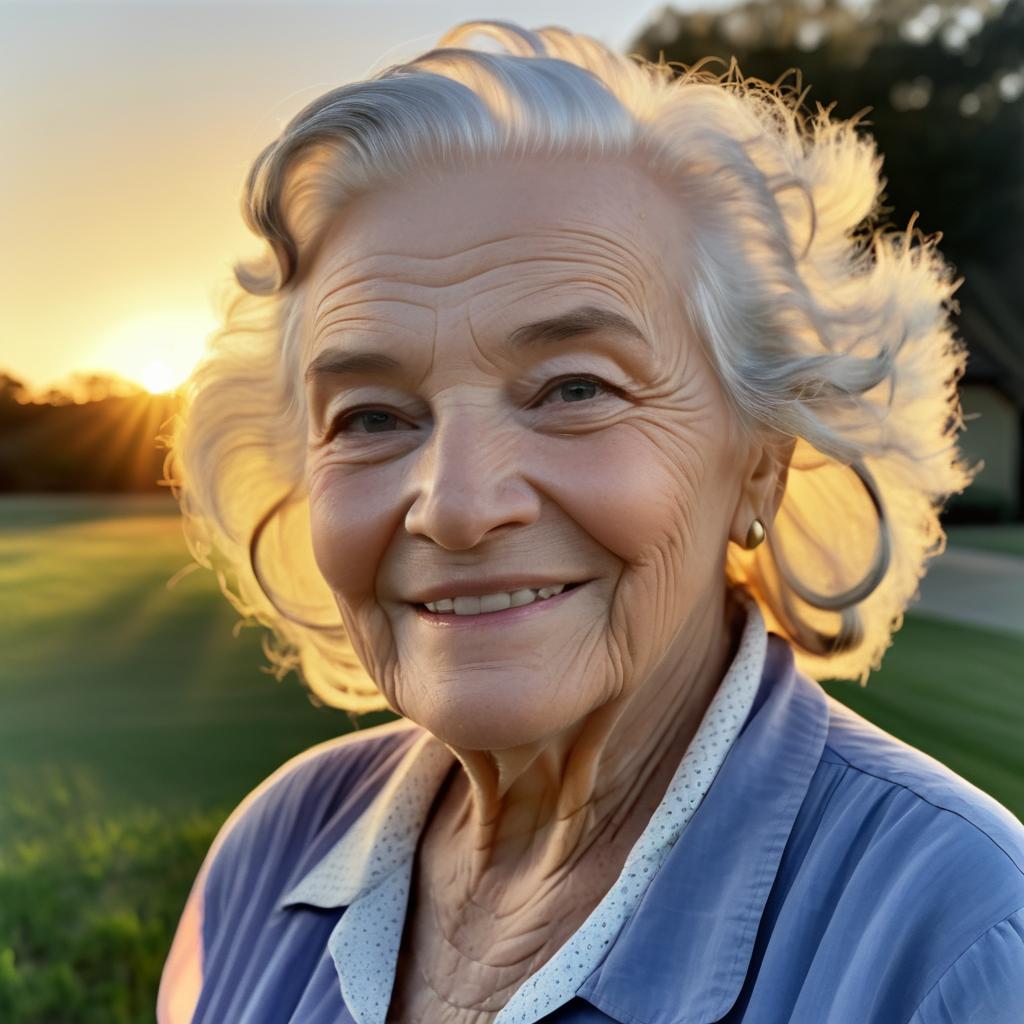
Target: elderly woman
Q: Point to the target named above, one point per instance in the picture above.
(570, 418)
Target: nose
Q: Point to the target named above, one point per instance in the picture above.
(469, 481)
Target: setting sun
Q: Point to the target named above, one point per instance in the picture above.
(156, 350)
(158, 378)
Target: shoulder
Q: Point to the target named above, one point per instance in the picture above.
(887, 768)
(325, 772)
(916, 867)
(285, 813)
(985, 983)
(254, 850)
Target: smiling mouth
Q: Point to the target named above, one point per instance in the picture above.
(497, 605)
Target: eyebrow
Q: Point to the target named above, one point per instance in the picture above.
(582, 320)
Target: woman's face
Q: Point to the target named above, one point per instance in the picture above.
(504, 395)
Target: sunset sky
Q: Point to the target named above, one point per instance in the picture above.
(128, 129)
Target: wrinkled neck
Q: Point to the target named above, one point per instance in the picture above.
(535, 810)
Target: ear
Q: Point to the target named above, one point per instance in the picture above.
(762, 485)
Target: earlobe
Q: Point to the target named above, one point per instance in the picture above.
(762, 494)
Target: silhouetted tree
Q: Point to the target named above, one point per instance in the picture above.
(12, 390)
(95, 387)
(108, 444)
(945, 88)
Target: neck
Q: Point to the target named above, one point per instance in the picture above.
(531, 812)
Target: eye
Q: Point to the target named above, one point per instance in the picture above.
(366, 421)
(576, 389)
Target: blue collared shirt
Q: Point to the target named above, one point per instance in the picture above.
(369, 870)
(831, 874)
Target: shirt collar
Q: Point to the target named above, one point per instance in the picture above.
(384, 838)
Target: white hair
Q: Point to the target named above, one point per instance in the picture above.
(824, 328)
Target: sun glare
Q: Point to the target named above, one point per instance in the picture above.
(157, 377)
(157, 350)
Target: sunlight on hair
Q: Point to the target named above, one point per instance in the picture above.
(826, 324)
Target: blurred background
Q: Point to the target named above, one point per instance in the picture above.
(135, 711)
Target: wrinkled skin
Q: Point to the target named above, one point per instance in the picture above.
(569, 724)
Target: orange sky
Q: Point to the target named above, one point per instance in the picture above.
(128, 128)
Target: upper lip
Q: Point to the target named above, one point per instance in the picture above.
(488, 585)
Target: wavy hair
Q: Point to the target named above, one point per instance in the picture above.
(823, 326)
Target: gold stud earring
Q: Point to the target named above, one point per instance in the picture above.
(755, 534)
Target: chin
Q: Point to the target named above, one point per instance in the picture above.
(493, 715)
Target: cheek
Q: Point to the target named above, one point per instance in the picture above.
(657, 504)
(351, 523)
(647, 497)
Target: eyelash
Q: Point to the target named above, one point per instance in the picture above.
(339, 423)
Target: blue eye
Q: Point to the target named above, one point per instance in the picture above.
(376, 421)
(576, 389)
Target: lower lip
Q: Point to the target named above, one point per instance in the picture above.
(503, 618)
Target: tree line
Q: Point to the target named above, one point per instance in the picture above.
(99, 434)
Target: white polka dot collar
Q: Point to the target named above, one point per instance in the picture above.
(369, 869)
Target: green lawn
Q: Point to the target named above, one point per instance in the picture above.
(132, 721)
(122, 688)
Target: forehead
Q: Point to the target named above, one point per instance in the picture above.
(459, 242)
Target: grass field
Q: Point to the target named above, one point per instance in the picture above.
(132, 721)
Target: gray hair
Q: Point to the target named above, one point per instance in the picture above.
(824, 329)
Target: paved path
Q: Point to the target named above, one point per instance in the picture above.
(977, 588)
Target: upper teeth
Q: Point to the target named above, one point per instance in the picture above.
(493, 602)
